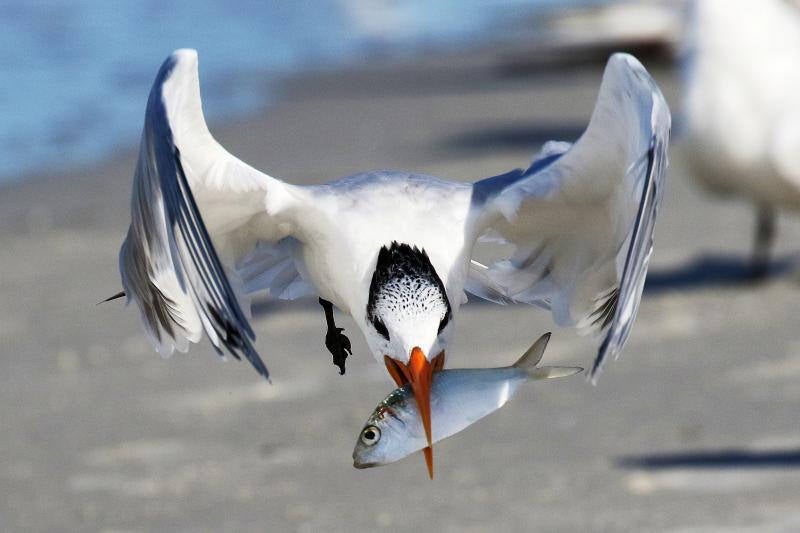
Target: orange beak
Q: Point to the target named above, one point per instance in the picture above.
(419, 373)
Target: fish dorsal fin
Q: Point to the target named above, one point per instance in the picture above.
(531, 358)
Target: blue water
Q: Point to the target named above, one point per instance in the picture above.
(74, 75)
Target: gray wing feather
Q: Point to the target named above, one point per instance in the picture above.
(581, 217)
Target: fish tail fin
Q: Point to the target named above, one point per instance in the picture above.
(533, 357)
(550, 372)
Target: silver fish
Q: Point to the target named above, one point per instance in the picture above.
(459, 398)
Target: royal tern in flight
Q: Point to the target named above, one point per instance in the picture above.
(742, 106)
(393, 249)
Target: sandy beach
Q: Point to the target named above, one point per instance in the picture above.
(693, 429)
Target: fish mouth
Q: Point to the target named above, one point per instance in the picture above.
(362, 466)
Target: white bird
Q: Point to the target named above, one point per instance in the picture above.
(393, 249)
(742, 106)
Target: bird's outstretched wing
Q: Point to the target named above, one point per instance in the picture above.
(169, 263)
(581, 217)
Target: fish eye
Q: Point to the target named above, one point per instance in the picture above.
(370, 436)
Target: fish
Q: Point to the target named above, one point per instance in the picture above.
(459, 398)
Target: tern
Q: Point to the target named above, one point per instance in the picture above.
(391, 248)
(742, 107)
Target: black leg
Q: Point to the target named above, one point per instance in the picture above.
(336, 342)
(762, 245)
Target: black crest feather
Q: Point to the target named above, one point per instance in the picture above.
(407, 265)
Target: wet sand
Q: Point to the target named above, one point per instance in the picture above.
(695, 427)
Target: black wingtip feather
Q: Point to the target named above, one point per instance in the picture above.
(650, 199)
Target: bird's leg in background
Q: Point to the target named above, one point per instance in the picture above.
(764, 238)
(336, 342)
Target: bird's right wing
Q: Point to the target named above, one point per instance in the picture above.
(581, 217)
(169, 264)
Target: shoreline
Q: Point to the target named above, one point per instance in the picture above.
(444, 69)
(474, 70)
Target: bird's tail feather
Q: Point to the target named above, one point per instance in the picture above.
(116, 296)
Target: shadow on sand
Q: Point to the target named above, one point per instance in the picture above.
(723, 458)
(715, 271)
(561, 58)
(518, 136)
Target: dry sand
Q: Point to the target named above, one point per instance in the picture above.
(99, 433)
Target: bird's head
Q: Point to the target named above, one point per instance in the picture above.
(408, 323)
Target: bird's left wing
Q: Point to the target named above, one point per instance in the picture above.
(169, 262)
(581, 217)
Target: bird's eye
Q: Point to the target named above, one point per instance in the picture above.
(380, 327)
(443, 323)
(370, 436)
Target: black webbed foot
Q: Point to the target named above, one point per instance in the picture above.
(339, 346)
(336, 341)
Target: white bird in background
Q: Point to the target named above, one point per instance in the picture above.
(742, 106)
(391, 248)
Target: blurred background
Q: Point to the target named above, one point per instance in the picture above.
(694, 429)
